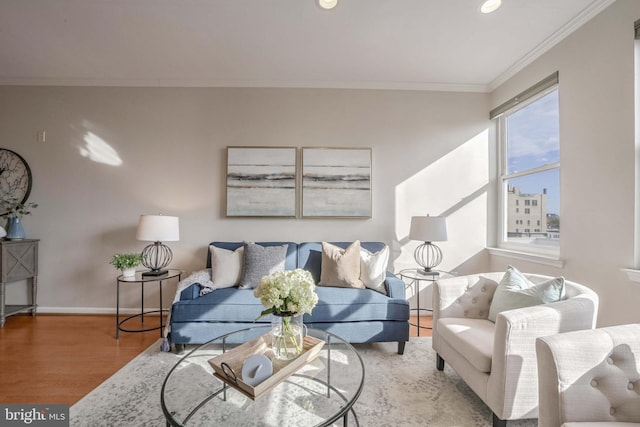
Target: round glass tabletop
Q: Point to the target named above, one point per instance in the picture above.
(320, 393)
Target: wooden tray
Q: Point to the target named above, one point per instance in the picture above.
(262, 345)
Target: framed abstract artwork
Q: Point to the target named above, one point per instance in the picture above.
(336, 182)
(261, 181)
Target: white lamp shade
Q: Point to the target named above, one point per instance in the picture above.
(428, 228)
(158, 228)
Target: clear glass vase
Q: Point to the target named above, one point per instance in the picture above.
(287, 333)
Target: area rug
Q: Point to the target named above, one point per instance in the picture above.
(400, 390)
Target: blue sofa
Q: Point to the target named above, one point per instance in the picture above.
(356, 315)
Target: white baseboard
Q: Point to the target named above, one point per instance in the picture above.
(92, 310)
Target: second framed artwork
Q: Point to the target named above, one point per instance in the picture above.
(336, 182)
(269, 181)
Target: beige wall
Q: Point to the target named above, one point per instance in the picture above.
(596, 65)
(114, 153)
(433, 152)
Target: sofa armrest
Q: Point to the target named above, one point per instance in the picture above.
(190, 292)
(513, 387)
(395, 287)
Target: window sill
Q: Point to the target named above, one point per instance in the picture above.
(524, 256)
(632, 274)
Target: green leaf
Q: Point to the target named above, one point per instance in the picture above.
(264, 313)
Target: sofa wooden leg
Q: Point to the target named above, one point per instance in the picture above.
(497, 422)
(439, 363)
(401, 347)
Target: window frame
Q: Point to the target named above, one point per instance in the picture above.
(504, 177)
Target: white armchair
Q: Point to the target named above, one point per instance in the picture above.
(498, 360)
(590, 378)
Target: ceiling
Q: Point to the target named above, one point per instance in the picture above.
(379, 44)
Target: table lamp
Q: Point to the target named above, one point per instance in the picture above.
(428, 229)
(157, 229)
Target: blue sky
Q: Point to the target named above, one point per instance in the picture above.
(534, 140)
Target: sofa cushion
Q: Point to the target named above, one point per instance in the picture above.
(221, 305)
(472, 338)
(353, 305)
(260, 261)
(341, 267)
(226, 266)
(334, 305)
(516, 291)
(373, 268)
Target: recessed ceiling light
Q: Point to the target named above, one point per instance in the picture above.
(490, 6)
(327, 4)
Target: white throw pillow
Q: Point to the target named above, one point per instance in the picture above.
(226, 266)
(373, 269)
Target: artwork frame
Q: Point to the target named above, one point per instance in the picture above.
(262, 182)
(336, 182)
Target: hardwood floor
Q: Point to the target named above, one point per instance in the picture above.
(60, 358)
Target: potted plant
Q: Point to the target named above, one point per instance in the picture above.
(127, 263)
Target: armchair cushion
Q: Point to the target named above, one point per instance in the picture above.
(516, 291)
(472, 337)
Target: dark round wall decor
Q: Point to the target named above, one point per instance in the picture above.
(15, 177)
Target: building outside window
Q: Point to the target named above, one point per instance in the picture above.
(529, 141)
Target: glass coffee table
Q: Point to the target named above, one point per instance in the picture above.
(320, 393)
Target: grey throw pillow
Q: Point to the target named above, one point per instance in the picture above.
(516, 291)
(260, 261)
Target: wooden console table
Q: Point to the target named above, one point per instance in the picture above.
(18, 261)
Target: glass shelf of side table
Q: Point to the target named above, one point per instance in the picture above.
(321, 393)
(415, 276)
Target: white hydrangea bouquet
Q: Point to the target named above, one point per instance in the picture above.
(287, 295)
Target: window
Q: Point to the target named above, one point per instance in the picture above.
(529, 141)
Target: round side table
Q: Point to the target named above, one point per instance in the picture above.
(413, 277)
(141, 279)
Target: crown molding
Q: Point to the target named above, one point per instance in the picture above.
(313, 84)
(586, 15)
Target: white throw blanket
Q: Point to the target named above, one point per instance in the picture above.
(203, 278)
